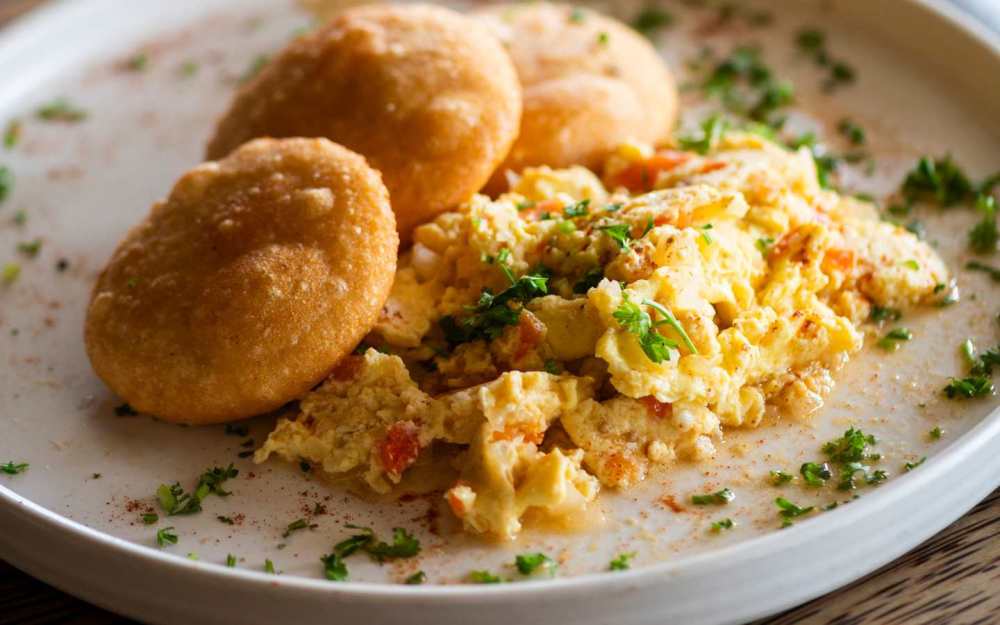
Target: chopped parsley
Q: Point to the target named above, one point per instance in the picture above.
(849, 453)
(780, 478)
(225, 519)
(6, 182)
(12, 468)
(294, 526)
(909, 466)
(484, 577)
(230, 560)
(61, 110)
(10, 273)
(969, 388)
(166, 536)
(623, 562)
(634, 320)
(150, 518)
(705, 236)
(940, 180)
(911, 264)
(936, 433)
(403, 545)
(812, 42)
(577, 16)
(718, 498)
(174, 500)
(722, 524)
(529, 563)
(815, 474)
(651, 19)
(764, 245)
(885, 313)
(984, 235)
(269, 567)
(30, 248)
(188, 69)
(992, 272)
(12, 134)
(746, 87)
(416, 579)
(851, 131)
(708, 138)
(826, 163)
(334, 567)
(576, 209)
(589, 280)
(788, 511)
(620, 233)
(138, 62)
(891, 341)
(492, 313)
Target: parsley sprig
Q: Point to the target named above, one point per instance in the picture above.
(849, 453)
(12, 468)
(492, 313)
(631, 317)
(175, 501)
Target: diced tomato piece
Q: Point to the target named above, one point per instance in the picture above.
(530, 332)
(839, 259)
(657, 408)
(641, 175)
(400, 447)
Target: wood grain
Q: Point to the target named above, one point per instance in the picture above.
(952, 579)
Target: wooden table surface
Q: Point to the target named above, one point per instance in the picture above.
(952, 579)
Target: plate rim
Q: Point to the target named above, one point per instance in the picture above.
(936, 469)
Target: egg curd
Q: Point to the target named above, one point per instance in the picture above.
(576, 333)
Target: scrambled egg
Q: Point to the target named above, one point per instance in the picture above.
(577, 332)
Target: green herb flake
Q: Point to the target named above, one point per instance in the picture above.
(188, 69)
(175, 501)
(909, 466)
(237, 429)
(992, 272)
(849, 453)
(138, 62)
(30, 248)
(10, 273)
(61, 110)
(225, 519)
(885, 313)
(891, 341)
(230, 560)
(940, 180)
(764, 245)
(788, 511)
(12, 134)
(484, 577)
(984, 235)
(651, 19)
(150, 518)
(294, 526)
(577, 16)
(165, 536)
(576, 209)
(718, 498)
(589, 280)
(622, 562)
(603, 38)
(969, 388)
(851, 131)
(704, 234)
(529, 563)
(334, 567)
(911, 264)
(779, 477)
(936, 433)
(619, 233)
(269, 567)
(815, 474)
(6, 185)
(416, 579)
(712, 130)
(12, 468)
(723, 524)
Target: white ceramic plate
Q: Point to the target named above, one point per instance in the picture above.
(925, 86)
